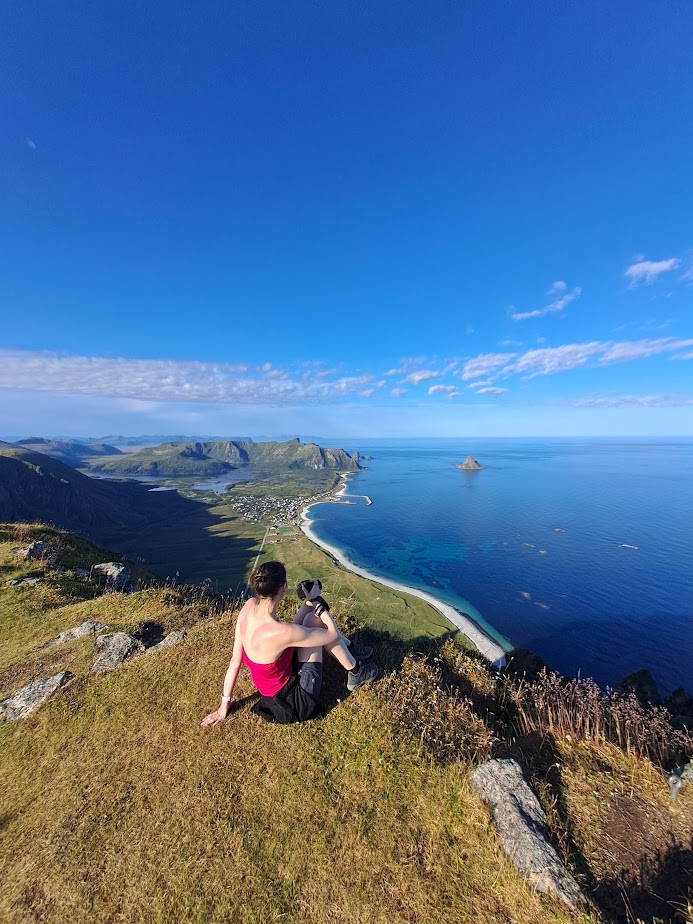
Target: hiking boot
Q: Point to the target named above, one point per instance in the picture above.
(361, 652)
(365, 674)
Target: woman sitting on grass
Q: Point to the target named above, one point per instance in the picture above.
(285, 658)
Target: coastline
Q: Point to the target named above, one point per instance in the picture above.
(488, 646)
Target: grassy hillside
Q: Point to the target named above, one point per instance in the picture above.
(117, 806)
(215, 458)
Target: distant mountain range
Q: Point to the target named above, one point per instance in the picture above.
(195, 459)
(72, 453)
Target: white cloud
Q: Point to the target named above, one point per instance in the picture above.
(682, 356)
(549, 360)
(489, 390)
(161, 380)
(556, 306)
(448, 390)
(662, 400)
(628, 350)
(415, 378)
(30, 144)
(557, 286)
(645, 272)
(511, 343)
(398, 392)
(484, 364)
(482, 383)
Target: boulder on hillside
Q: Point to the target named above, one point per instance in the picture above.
(88, 627)
(114, 575)
(26, 700)
(115, 647)
(642, 684)
(171, 639)
(22, 582)
(523, 830)
(40, 551)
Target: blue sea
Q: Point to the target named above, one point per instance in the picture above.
(580, 550)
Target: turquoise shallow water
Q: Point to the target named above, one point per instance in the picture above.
(581, 550)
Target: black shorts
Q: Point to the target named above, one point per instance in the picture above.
(297, 701)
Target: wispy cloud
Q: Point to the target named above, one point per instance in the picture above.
(633, 401)
(490, 390)
(422, 375)
(448, 390)
(484, 364)
(550, 360)
(555, 306)
(172, 380)
(30, 144)
(645, 272)
(398, 392)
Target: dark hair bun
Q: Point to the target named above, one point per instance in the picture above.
(268, 579)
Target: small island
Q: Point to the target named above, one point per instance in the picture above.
(469, 465)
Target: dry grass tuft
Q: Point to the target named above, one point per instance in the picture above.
(580, 710)
(443, 722)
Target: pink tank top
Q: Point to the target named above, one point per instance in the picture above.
(270, 678)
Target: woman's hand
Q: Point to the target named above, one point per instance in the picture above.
(214, 718)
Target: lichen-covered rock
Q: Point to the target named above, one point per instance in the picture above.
(171, 639)
(115, 647)
(88, 627)
(522, 829)
(22, 582)
(25, 701)
(114, 575)
(40, 551)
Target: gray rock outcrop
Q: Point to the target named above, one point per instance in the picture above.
(171, 639)
(115, 647)
(522, 829)
(88, 627)
(22, 582)
(40, 551)
(114, 575)
(25, 701)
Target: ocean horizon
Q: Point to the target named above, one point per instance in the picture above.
(577, 549)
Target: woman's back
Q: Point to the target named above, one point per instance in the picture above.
(261, 634)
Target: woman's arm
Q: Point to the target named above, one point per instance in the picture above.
(230, 679)
(304, 637)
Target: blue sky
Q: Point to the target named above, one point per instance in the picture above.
(349, 219)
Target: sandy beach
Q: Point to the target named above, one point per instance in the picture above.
(489, 647)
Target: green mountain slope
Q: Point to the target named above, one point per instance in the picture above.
(216, 458)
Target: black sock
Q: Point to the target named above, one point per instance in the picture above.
(356, 668)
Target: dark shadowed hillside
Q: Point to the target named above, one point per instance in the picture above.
(173, 534)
